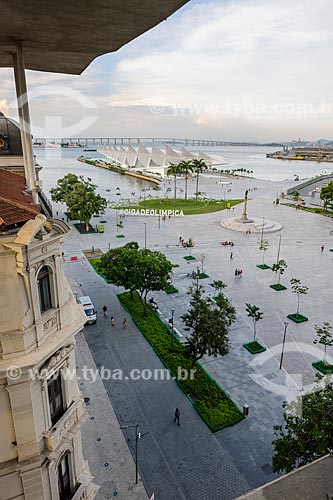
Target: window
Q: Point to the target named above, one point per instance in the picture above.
(64, 483)
(44, 289)
(55, 398)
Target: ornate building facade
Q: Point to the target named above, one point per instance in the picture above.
(41, 409)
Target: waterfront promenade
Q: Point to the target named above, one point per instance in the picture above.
(195, 462)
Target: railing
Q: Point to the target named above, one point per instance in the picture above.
(85, 491)
(72, 415)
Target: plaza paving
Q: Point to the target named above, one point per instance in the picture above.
(190, 462)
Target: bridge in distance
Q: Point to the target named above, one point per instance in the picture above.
(134, 141)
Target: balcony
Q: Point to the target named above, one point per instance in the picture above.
(72, 416)
(86, 489)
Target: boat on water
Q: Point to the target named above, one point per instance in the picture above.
(322, 154)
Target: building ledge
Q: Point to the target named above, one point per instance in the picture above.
(86, 489)
(72, 416)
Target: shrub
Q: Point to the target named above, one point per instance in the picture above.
(211, 402)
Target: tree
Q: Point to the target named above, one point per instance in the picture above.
(324, 337)
(218, 285)
(174, 170)
(256, 315)
(185, 168)
(198, 166)
(208, 326)
(79, 196)
(326, 194)
(279, 268)
(143, 270)
(263, 246)
(119, 225)
(65, 186)
(189, 244)
(83, 202)
(153, 270)
(304, 437)
(119, 264)
(299, 289)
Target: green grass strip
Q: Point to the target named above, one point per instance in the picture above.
(214, 405)
(191, 208)
(93, 263)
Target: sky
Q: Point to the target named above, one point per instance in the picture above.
(234, 70)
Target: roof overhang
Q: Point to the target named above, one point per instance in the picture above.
(66, 36)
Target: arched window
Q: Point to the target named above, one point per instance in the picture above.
(64, 480)
(44, 289)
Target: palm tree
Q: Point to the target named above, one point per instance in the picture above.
(186, 167)
(174, 169)
(198, 166)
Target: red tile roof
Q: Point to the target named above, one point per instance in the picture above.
(16, 205)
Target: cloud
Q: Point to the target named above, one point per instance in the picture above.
(234, 70)
(4, 108)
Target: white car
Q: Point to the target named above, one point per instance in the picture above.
(89, 309)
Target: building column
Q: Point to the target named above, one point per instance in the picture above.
(24, 116)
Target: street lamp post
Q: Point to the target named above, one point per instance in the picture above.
(145, 223)
(278, 254)
(138, 436)
(262, 229)
(284, 341)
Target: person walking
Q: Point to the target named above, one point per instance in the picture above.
(236, 273)
(124, 324)
(177, 415)
(240, 273)
(322, 248)
(231, 256)
(112, 321)
(105, 311)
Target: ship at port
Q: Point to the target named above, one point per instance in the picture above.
(322, 154)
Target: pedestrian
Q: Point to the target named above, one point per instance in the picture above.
(240, 273)
(322, 248)
(112, 321)
(177, 415)
(180, 239)
(236, 273)
(231, 256)
(124, 324)
(105, 311)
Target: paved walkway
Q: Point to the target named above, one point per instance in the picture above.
(176, 462)
(256, 381)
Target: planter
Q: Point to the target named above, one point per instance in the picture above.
(297, 318)
(326, 369)
(278, 287)
(93, 263)
(213, 404)
(171, 289)
(202, 276)
(68, 215)
(103, 221)
(81, 228)
(189, 257)
(120, 236)
(254, 347)
(263, 266)
(96, 215)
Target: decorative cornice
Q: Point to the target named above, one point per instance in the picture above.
(55, 360)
